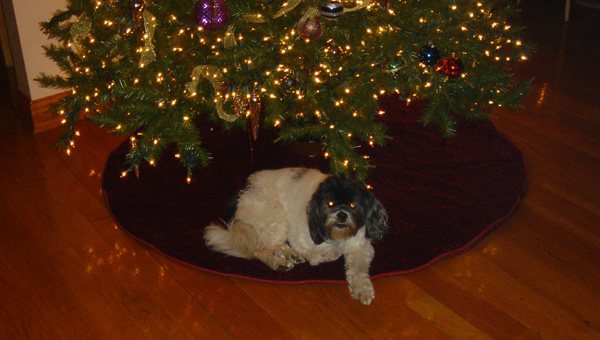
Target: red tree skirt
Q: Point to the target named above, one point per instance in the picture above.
(442, 196)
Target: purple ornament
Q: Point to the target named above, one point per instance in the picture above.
(211, 15)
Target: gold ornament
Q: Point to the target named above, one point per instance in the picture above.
(240, 103)
(80, 28)
(253, 120)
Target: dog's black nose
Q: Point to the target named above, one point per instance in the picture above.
(342, 216)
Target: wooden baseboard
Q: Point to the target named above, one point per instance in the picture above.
(35, 113)
(42, 119)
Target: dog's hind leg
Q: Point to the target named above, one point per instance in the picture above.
(237, 239)
(280, 257)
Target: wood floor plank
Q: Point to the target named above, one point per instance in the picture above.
(87, 271)
(545, 239)
(475, 310)
(442, 317)
(569, 289)
(87, 160)
(527, 304)
(335, 315)
(229, 304)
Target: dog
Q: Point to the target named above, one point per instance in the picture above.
(288, 216)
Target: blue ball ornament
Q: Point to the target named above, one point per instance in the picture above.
(332, 10)
(429, 55)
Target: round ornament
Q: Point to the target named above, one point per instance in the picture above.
(289, 83)
(332, 9)
(332, 49)
(452, 67)
(211, 15)
(136, 7)
(309, 27)
(429, 55)
(394, 64)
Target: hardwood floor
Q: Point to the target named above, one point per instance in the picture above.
(68, 272)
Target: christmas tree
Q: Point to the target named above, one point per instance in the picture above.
(310, 70)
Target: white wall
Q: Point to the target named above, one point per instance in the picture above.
(26, 42)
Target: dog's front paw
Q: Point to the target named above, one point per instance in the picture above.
(363, 291)
(316, 257)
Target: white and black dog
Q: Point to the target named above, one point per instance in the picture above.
(292, 215)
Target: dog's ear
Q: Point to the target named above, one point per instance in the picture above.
(376, 220)
(315, 222)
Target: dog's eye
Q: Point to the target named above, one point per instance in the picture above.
(352, 205)
(330, 203)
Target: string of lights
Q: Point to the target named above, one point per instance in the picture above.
(310, 70)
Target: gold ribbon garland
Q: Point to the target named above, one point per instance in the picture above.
(287, 7)
(80, 28)
(214, 75)
(229, 40)
(290, 5)
(365, 4)
(148, 53)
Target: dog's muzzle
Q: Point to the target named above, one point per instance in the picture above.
(342, 216)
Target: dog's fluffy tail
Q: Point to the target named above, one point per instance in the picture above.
(238, 239)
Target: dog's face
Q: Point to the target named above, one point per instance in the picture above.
(340, 207)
